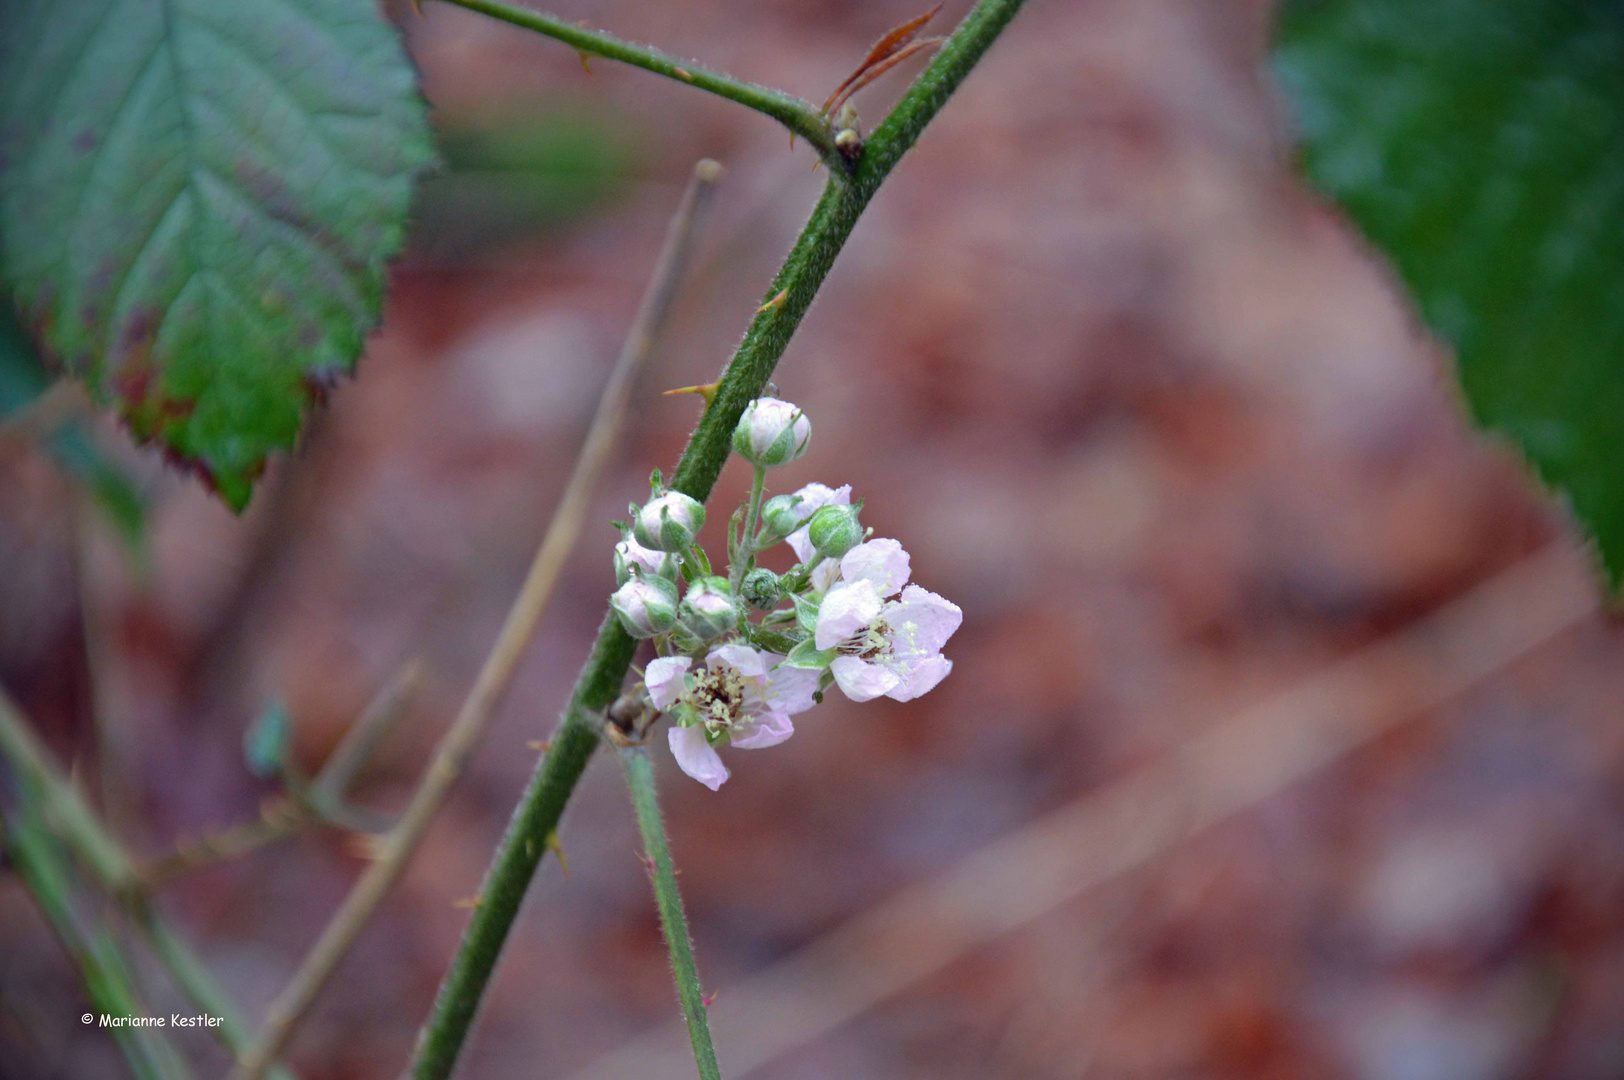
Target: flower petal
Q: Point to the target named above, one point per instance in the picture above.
(882, 562)
(696, 756)
(825, 574)
(815, 497)
(647, 558)
(760, 732)
(790, 690)
(861, 680)
(921, 677)
(741, 658)
(921, 622)
(848, 608)
(664, 679)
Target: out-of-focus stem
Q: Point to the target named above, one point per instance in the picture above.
(458, 743)
(324, 799)
(102, 969)
(64, 813)
(377, 720)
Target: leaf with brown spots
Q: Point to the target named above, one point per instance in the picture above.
(197, 201)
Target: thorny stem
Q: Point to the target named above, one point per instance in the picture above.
(673, 922)
(800, 116)
(535, 819)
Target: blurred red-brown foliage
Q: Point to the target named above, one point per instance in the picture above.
(1148, 410)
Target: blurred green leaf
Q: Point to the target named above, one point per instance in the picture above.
(196, 203)
(511, 175)
(22, 377)
(115, 494)
(1480, 145)
(265, 743)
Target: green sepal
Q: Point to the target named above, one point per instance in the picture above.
(772, 640)
(808, 656)
(806, 613)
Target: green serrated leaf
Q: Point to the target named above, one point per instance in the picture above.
(197, 200)
(1480, 145)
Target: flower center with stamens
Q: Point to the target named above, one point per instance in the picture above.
(870, 643)
(718, 697)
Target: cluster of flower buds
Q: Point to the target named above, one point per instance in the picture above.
(741, 653)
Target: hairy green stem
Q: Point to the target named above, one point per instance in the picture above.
(801, 117)
(535, 819)
(745, 559)
(645, 801)
(528, 833)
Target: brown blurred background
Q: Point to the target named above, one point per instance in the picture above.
(1146, 409)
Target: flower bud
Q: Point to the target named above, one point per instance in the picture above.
(835, 530)
(669, 522)
(646, 605)
(761, 589)
(709, 609)
(783, 514)
(771, 433)
(630, 557)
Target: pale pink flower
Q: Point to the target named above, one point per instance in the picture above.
(889, 647)
(739, 696)
(696, 756)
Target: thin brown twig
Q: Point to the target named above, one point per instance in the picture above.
(324, 800)
(278, 819)
(1128, 823)
(458, 742)
(377, 720)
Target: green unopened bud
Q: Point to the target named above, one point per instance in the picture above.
(835, 530)
(669, 522)
(783, 514)
(709, 610)
(761, 589)
(771, 433)
(646, 605)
